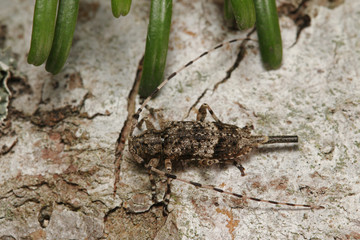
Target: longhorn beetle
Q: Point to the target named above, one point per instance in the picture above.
(206, 142)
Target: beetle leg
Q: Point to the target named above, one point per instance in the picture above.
(153, 163)
(240, 167)
(161, 120)
(149, 125)
(202, 113)
(157, 114)
(236, 163)
(137, 158)
(168, 167)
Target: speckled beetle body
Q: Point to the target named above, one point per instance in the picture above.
(206, 142)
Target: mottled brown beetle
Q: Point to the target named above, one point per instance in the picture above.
(206, 142)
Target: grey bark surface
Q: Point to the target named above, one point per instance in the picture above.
(57, 181)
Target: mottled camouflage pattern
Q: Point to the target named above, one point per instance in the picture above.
(187, 140)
